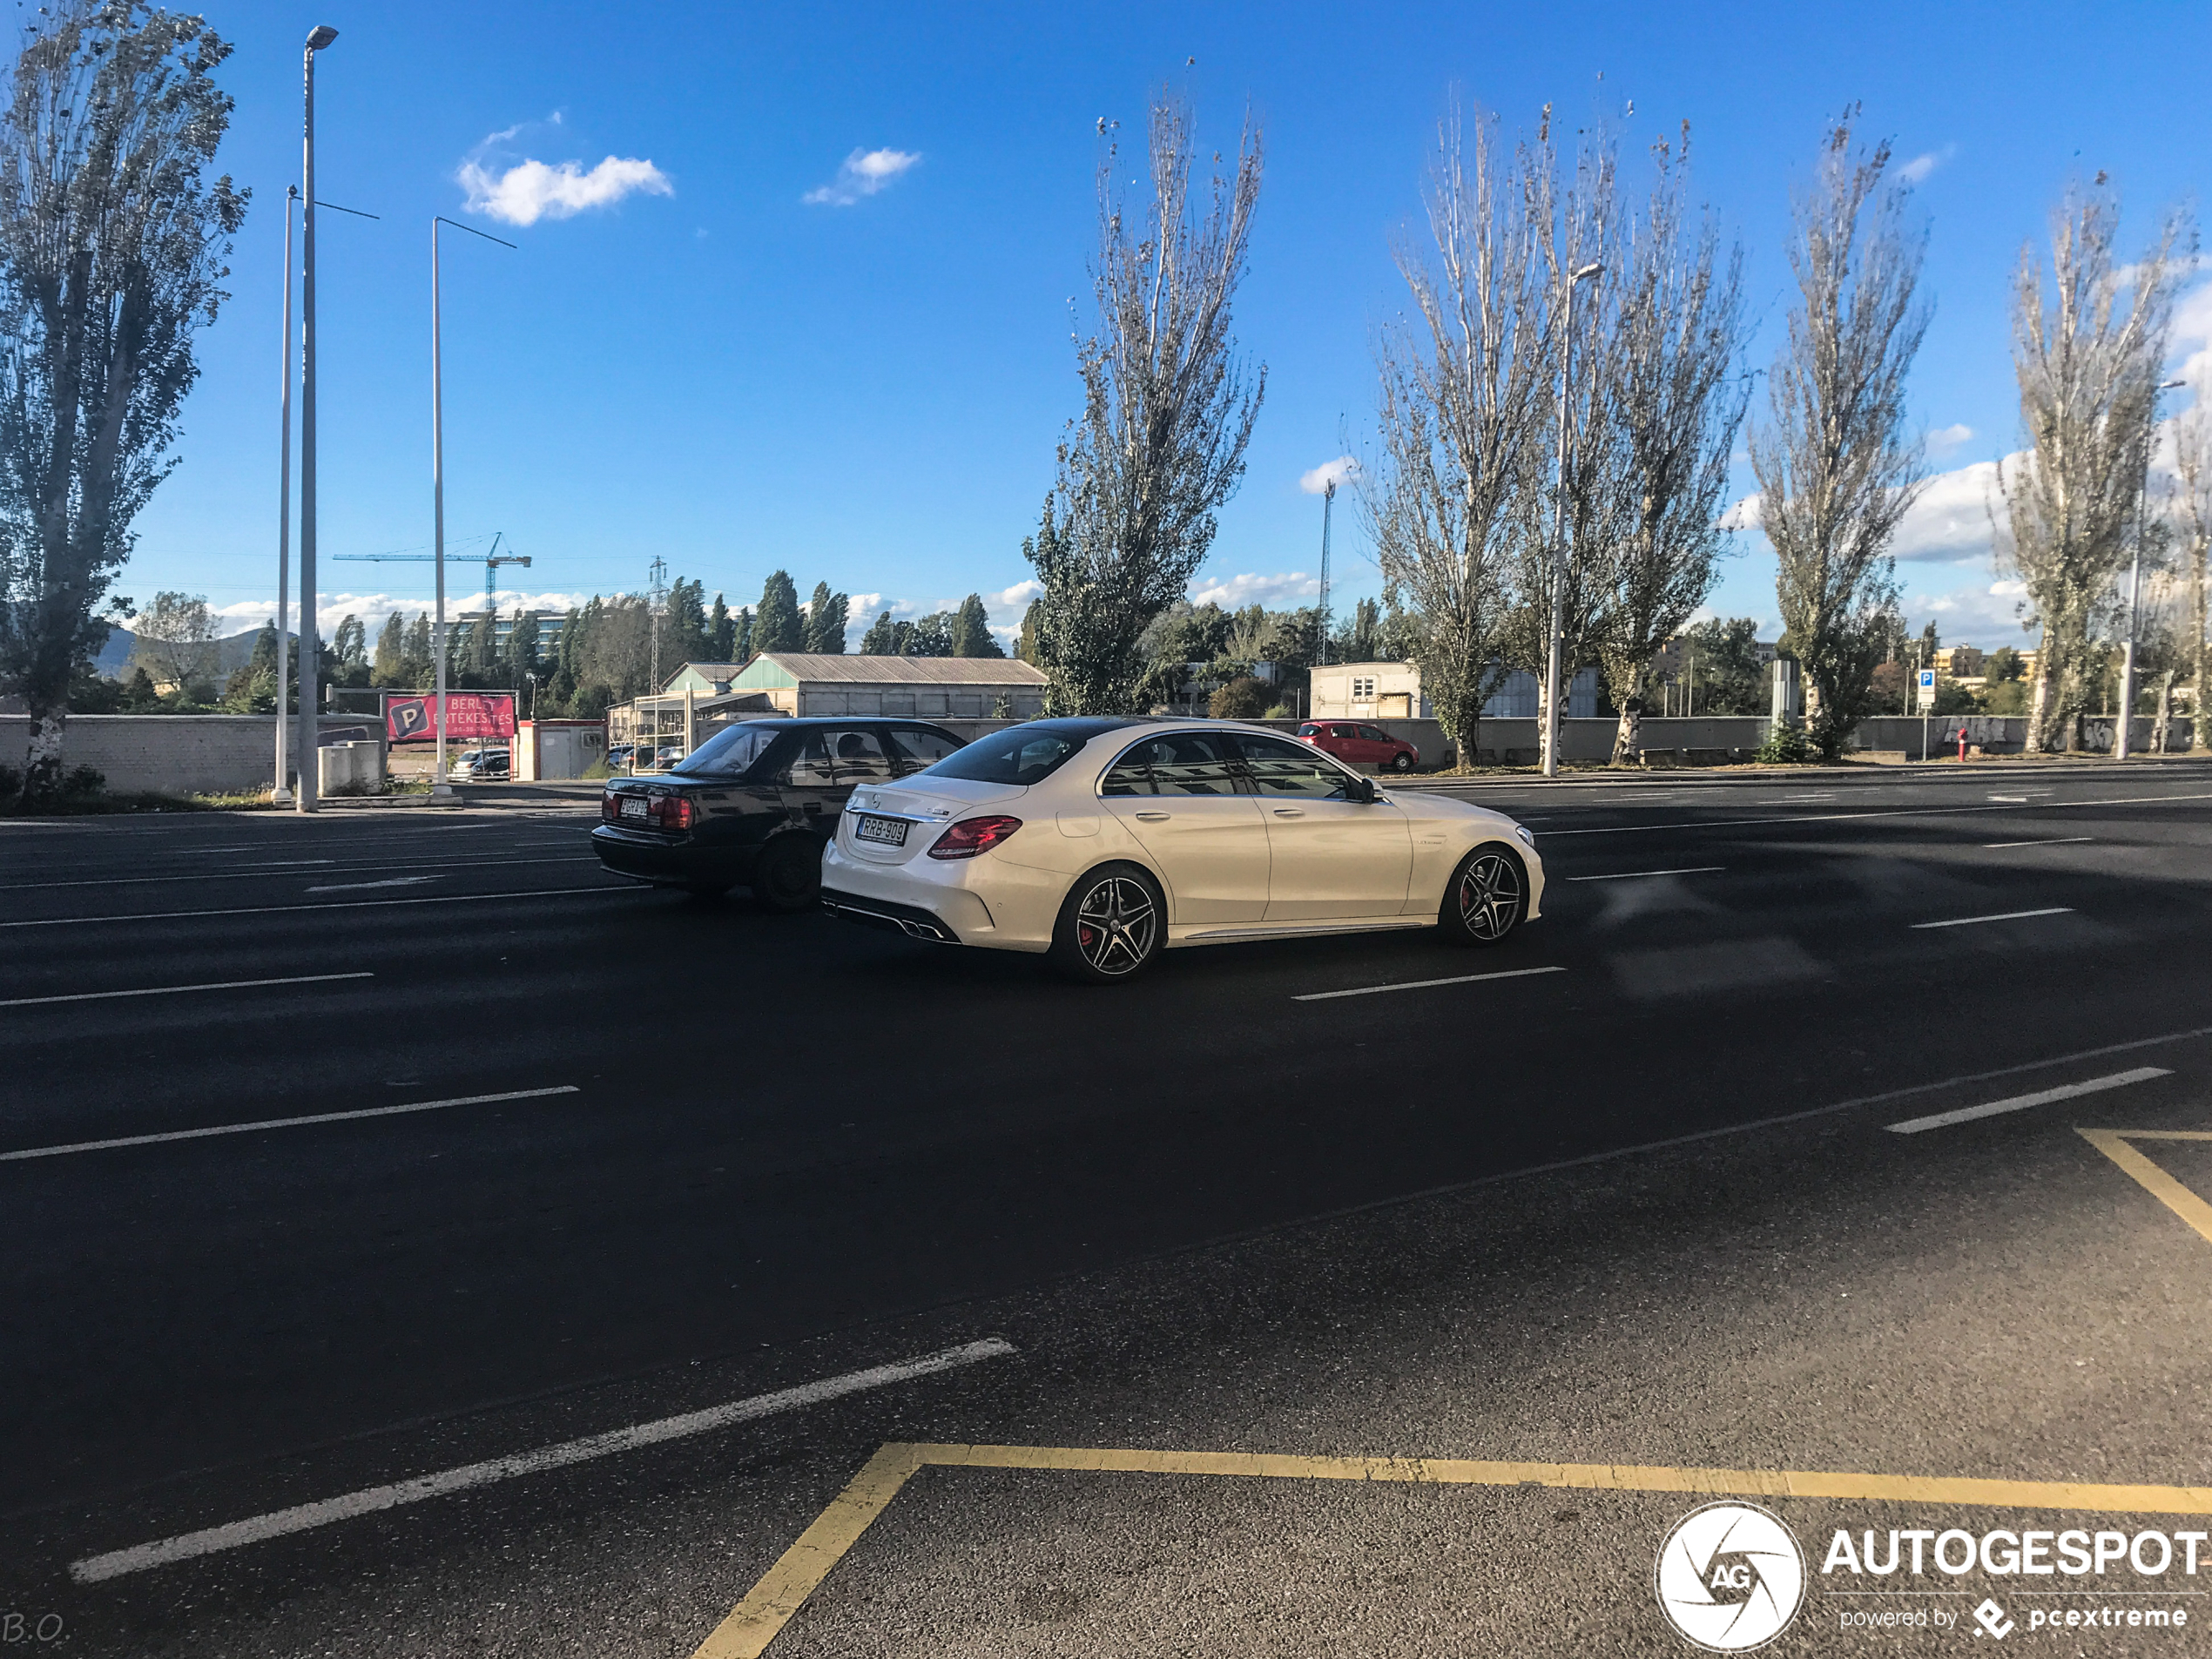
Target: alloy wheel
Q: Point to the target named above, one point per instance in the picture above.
(1116, 924)
(1489, 896)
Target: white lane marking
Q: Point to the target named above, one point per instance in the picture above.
(179, 990)
(284, 864)
(281, 1122)
(369, 1500)
(1839, 818)
(341, 903)
(2061, 840)
(362, 887)
(256, 874)
(2003, 915)
(1423, 984)
(2021, 1103)
(2016, 801)
(1637, 875)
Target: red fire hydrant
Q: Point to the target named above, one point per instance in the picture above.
(1962, 742)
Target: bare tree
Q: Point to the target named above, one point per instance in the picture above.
(1836, 467)
(2193, 478)
(1167, 413)
(2088, 355)
(110, 251)
(1680, 333)
(1462, 404)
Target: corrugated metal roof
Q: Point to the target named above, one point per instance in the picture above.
(805, 666)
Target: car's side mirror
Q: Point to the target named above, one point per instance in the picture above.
(1360, 789)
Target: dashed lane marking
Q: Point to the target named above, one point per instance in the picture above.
(2002, 916)
(185, 1546)
(1425, 984)
(388, 881)
(181, 990)
(2022, 1103)
(1839, 818)
(757, 1620)
(281, 1122)
(1638, 875)
(2056, 840)
(2114, 1144)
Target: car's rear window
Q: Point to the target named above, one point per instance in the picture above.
(1018, 755)
(731, 751)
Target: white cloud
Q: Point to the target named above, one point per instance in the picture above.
(861, 174)
(1020, 594)
(530, 191)
(1745, 515)
(1339, 472)
(1951, 519)
(1233, 592)
(1976, 611)
(1944, 440)
(1919, 167)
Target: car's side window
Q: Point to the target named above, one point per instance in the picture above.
(1278, 767)
(1187, 763)
(1375, 734)
(808, 765)
(859, 756)
(913, 750)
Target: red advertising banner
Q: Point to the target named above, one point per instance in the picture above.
(469, 716)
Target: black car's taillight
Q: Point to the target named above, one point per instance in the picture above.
(670, 811)
(610, 807)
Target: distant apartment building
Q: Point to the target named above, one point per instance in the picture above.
(1392, 691)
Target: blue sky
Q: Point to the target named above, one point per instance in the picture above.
(867, 386)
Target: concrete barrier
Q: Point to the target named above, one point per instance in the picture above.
(174, 753)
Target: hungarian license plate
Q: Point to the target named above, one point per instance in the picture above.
(633, 806)
(887, 832)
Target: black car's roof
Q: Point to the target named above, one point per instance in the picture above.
(783, 723)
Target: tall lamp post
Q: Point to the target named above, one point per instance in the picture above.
(309, 757)
(282, 795)
(1559, 534)
(438, 783)
(1328, 501)
(2121, 746)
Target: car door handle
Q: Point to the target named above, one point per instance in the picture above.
(1152, 818)
(1289, 811)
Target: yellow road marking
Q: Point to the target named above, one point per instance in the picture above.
(756, 1621)
(2114, 1143)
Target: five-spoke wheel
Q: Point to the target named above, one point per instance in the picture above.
(1110, 925)
(1486, 898)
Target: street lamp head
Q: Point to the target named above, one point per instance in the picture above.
(322, 35)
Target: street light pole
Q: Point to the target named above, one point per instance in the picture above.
(439, 785)
(1328, 500)
(2121, 744)
(282, 795)
(1559, 534)
(309, 753)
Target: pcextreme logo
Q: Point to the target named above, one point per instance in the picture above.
(1731, 1577)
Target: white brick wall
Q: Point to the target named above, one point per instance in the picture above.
(178, 752)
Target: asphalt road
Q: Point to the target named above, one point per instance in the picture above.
(1641, 1213)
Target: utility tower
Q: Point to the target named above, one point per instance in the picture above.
(657, 572)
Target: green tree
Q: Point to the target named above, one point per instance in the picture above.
(1723, 663)
(522, 646)
(1243, 698)
(779, 625)
(111, 251)
(418, 663)
(972, 629)
(721, 632)
(391, 650)
(929, 635)
(881, 638)
(826, 617)
(687, 639)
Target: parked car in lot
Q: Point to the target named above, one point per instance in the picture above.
(1103, 842)
(1362, 744)
(667, 755)
(755, 804)
(480, 763)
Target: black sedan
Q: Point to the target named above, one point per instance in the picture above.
(755, 804)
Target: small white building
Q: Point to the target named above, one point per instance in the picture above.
(1392, 691)
(801, 683)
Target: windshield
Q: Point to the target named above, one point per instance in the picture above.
(731, 751)
(1021, 754)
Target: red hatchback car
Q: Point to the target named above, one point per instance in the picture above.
(1361, 744)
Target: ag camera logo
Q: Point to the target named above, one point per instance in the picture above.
(1731, 1577)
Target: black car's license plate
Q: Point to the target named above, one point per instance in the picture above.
(886, 832)
(633, 806)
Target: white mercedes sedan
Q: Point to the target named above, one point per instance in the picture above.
(1104, 841)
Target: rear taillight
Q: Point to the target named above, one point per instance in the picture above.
(973, 835)
(671, 812)
(610, 807)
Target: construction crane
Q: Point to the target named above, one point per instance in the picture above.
(492, 561)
